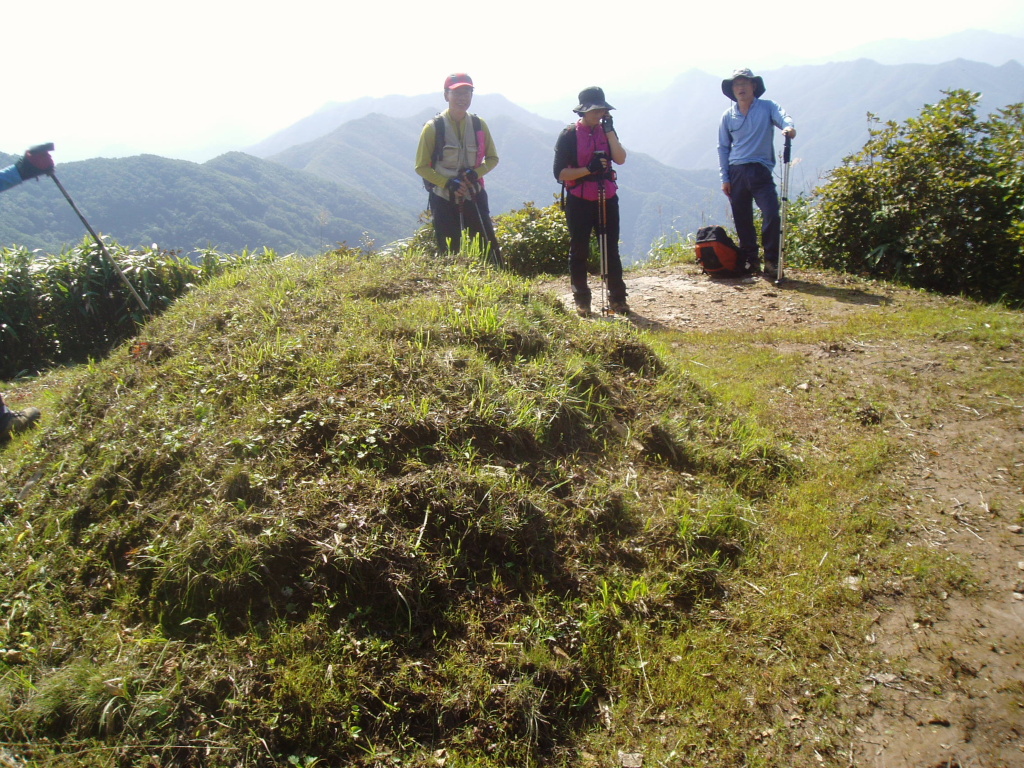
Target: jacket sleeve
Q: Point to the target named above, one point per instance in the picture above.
(779, 117)
(9, 177)
(724, 150)
(563, 153)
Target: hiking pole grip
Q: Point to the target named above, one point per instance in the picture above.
(103, 248)
(787, 149)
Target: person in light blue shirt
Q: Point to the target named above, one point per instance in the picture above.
(35, 162)
(746, 157)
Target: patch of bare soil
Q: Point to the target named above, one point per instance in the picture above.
(948, 690)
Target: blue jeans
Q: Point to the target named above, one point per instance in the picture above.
(753, 183)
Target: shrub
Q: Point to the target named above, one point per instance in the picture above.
(935, 202)
(73, 305)
(534, 240)
(670, 250)
(423, 238)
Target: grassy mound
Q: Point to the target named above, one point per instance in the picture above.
(372, 511)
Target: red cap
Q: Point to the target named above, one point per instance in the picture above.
(458, 80)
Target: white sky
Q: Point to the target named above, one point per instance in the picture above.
(177, 77)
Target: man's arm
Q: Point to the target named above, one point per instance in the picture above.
(782, 120)
(9, 177)
(724, 150)
(35, 162)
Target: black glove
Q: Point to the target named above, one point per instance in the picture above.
(596, 166)
(34, 163)
(471, 176)
(453, 186)
(608, 124)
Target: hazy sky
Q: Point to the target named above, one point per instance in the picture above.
(175, 78)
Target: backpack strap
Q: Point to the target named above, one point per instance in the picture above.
(438, 150)
(438, 140)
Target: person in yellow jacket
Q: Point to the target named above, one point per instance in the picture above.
(454, 154)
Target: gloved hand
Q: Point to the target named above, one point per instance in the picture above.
(471, 176)
(34, 163)
(608, 124)
(597, 165)
(454, 186)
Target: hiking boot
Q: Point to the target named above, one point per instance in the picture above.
(583, 310)
(619, 306)
(12, 422)
(771, 269)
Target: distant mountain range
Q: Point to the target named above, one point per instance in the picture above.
(232, 202)
(971, 44)
(348, 169)
(828, 102)
(670, 181)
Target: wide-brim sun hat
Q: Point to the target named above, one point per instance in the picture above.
(755, 79)
(590, 99)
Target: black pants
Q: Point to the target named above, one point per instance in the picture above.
(450, 219)
(753, 183)
(583, 217)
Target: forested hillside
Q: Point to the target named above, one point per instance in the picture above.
(231, 202)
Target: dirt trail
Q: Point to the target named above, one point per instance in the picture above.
(949, 692)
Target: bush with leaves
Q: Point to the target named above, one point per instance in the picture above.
(935, 202)
(534, 240)
(73, 305)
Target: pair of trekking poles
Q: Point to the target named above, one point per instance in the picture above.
(492, 253)
(103, 248)
(602, 243)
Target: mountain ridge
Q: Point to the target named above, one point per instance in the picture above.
(359, 177)
(231, 202)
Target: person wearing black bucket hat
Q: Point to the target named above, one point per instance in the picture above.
(584, 153)
(746, 157)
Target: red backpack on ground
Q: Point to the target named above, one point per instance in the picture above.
(717, 254)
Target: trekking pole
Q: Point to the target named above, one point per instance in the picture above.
(602, 241)
(786, 151)
(487, 228)
(103, 248)
(462, 224)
